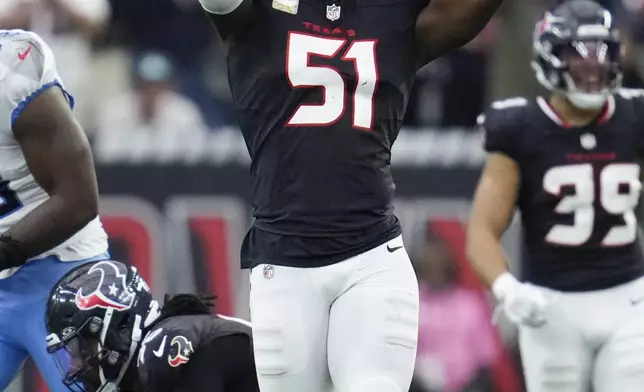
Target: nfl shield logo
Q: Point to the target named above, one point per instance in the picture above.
(268, 271)
(333, 12)
(588, 141)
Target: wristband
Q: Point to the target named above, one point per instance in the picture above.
(12, 253)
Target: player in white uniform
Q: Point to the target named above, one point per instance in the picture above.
(571, 163)
(49, 211)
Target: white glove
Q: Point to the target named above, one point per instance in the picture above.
(522, 303)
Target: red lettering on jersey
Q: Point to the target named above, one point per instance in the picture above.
(577, 157)
(326, 30)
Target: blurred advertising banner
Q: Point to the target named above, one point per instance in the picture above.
(182, 225)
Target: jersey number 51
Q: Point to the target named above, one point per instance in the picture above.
(301, 74)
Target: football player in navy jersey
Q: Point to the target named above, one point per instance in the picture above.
(108, 334)
(570, 163)
(320, 89)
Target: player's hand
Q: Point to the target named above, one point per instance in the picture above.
(12, 253)
(522, 303)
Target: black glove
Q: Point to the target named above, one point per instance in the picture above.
(12, 253)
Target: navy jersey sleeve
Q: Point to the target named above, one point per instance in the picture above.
(500, 127)
(164, 356)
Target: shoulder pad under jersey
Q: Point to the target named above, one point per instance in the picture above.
(27, 68)
(501, 125)
(634, 97)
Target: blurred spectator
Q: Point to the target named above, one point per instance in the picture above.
(68, 26)
(151, 111)
(180, 29)
(451, 91)
(456, 345)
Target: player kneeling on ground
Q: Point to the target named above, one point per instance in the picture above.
(107, 333)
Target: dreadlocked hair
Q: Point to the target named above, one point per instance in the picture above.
(186, 305)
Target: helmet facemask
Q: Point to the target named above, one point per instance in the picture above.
(97, 356)
(584, 66)
(96, 317)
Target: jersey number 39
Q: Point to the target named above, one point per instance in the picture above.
(301, 74)
(618, 188)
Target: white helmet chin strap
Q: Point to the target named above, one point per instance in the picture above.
(583, 100)
(587, 101)
(113, 385)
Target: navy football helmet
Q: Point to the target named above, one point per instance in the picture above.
(95, 318)
(577, 51)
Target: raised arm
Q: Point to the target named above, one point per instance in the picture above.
(229, 17)
(445, 25)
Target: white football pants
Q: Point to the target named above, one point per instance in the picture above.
(589, 339)
(349, 327)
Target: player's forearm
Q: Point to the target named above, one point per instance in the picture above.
(53, 222)
(445, 25)
(486, 255)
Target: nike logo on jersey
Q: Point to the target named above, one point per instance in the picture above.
(392, 250)
(24, 54)
(159, 352)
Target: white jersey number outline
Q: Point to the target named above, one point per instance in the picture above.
(300, 74)
(580, 204)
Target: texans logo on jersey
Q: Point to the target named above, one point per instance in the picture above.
(114, 295)
(182, 350)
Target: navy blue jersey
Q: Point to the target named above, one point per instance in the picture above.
(580, 187)
(320, 90)
(179, 346)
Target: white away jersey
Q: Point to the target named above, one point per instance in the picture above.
(27, 68)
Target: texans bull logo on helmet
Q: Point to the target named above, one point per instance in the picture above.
(111, 291)
(182, 350)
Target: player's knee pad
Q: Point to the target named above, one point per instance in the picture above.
(560, 376)
(375, 384)
(621, 361)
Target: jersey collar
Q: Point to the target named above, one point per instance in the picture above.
(606, 114)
